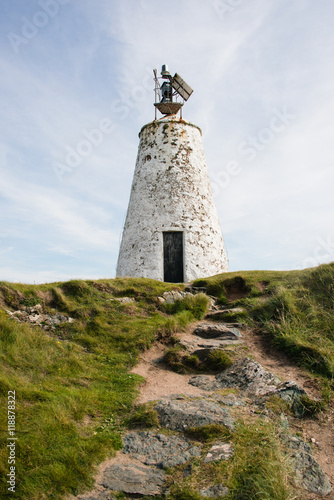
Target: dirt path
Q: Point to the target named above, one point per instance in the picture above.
(160, 381)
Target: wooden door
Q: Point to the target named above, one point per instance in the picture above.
(173, 256)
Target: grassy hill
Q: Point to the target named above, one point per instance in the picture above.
(74, 389)
(293, 309)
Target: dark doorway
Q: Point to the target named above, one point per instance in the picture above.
(173, 256)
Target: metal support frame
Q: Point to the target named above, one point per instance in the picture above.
(157, 93)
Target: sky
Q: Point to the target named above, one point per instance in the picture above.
(77, 86)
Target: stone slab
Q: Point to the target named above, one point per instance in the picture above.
(134, 479)
(158, 449)
(180, 415)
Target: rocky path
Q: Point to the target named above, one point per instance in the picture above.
(193, 401)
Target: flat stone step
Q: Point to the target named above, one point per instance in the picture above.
(160, 450)
(208, 344)
(210, 330)
(182, 414)
(134, 479)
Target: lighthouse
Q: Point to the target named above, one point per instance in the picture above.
(172, 231)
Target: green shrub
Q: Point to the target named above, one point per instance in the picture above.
(192, 361)
(217, 361)
(282, 302)
(180, 361)
(196, 304)
(222, 298)
(30, 301)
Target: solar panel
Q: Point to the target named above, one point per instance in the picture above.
(181, 87)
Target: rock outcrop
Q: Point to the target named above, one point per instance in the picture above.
(308, 472)
(35, 316)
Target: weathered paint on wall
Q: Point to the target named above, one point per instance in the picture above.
(171, 192)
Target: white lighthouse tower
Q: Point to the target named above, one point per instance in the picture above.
(172, 231)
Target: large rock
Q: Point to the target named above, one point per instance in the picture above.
(252, 379)
(173, 296)
(202, 347)
(204, 382)
(183, 414)
(134, 479)
(160, 450)
(308, 472)
(124, 300)
(207, 330)
(245, 374)
(248, 375)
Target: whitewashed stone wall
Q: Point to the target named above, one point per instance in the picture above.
(171, 192)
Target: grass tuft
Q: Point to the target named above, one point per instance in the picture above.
(180, 361)
(143, 417)
(208, 432)
(311, 407)
(259, 468)
(196, 304)
(184, 493)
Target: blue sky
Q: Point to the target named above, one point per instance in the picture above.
(76, 87)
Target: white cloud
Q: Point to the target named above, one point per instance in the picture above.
(48, 211)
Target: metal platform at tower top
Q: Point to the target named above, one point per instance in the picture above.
(168, 108)
(172, 87)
